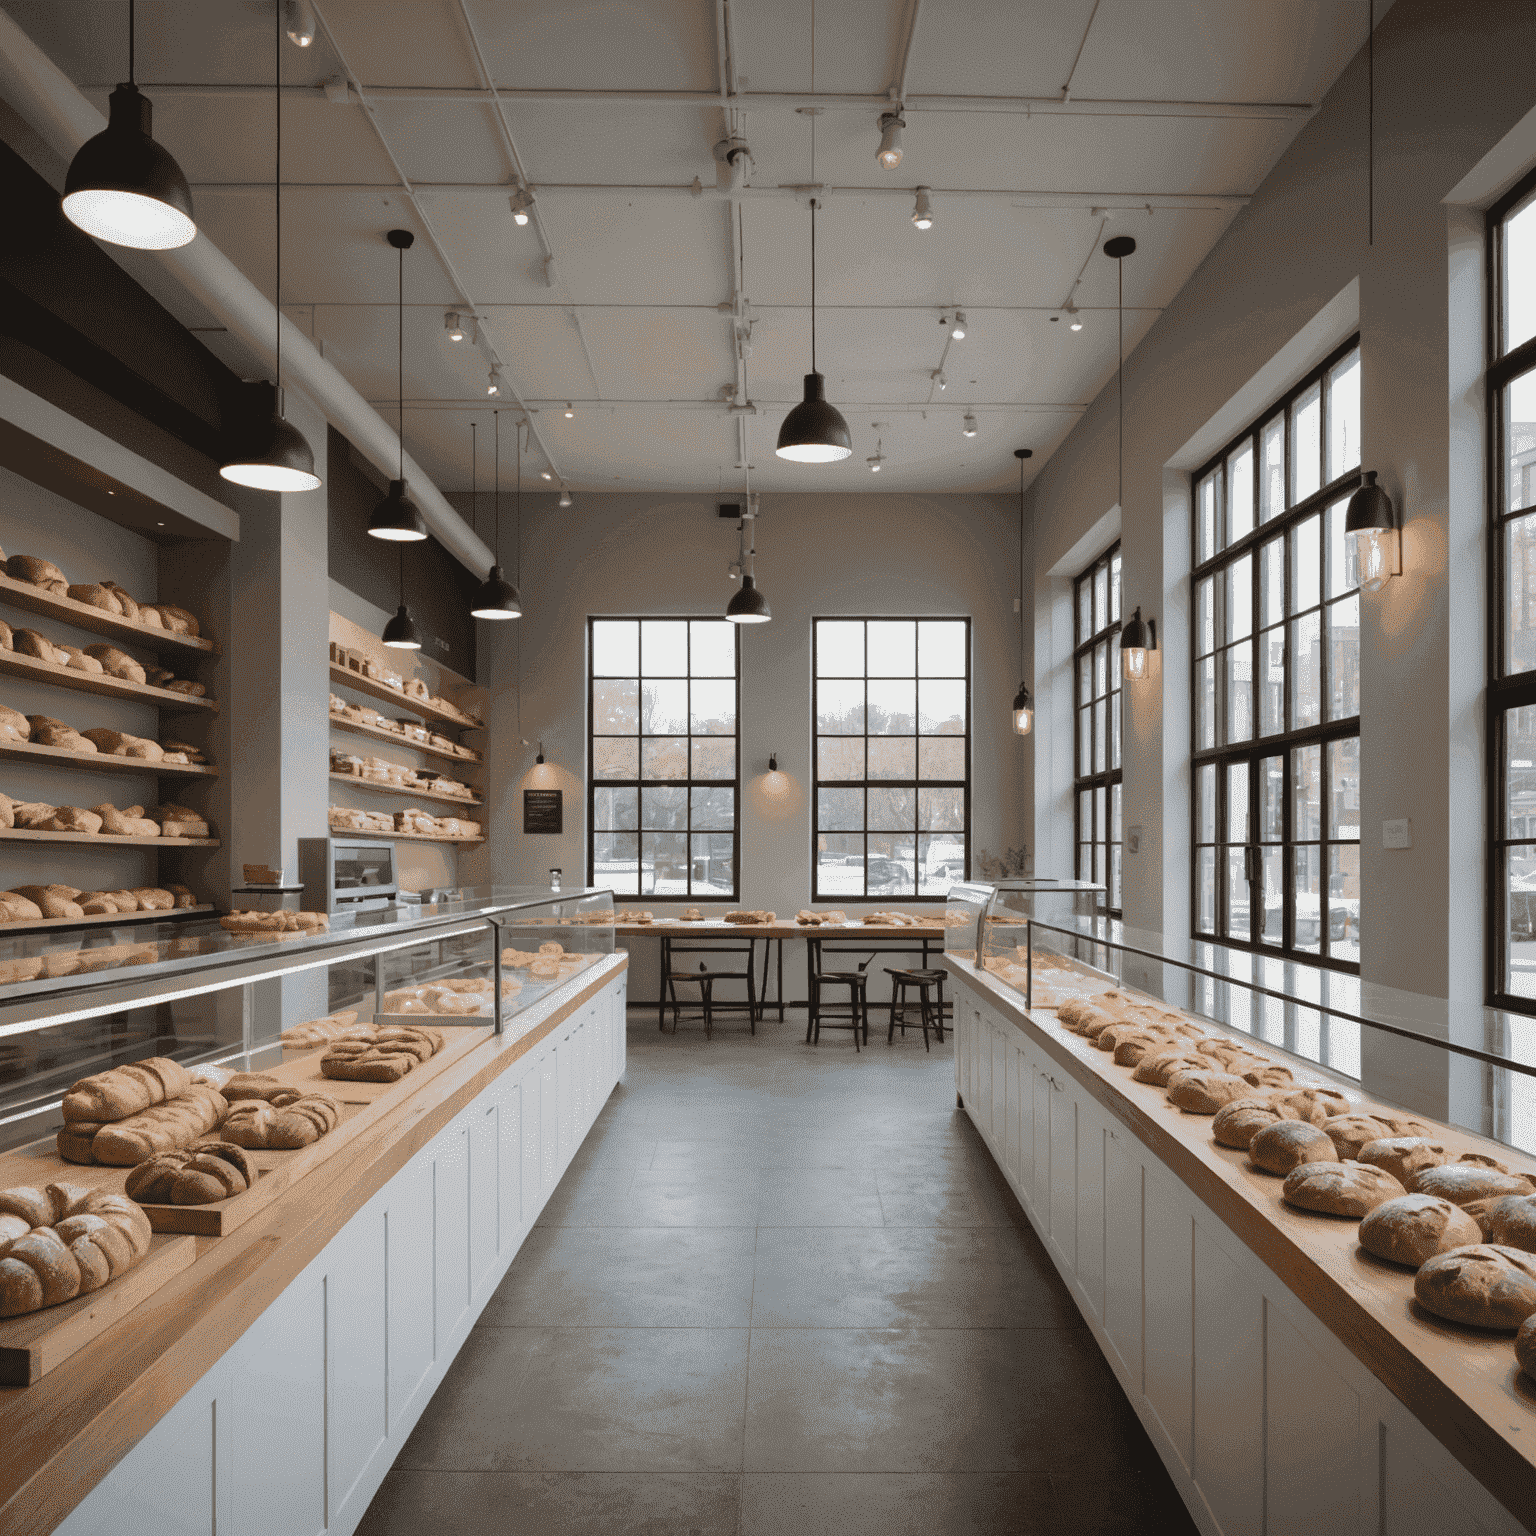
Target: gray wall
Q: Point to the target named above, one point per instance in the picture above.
(1291, 278)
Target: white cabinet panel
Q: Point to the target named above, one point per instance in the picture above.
(568, 1081)
(1228, 1407)
(1063, 1167)
(534, 1192)
(1000, 1054)
(484, 1190)
(1090, 1204)
(1167, 1305)
(1012, 1119)
(1040, 1185)
(451, 1231)
(1122, 1250)
(408, 1242)
(1312, 1454)
(357, 1373)
(550, 1166)
(509, 1139)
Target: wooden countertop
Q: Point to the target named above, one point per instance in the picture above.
(63, 1434)
(1461, 1383)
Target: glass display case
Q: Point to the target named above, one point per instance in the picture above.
(1463, 1064)
(197, 993)
(1000, 910)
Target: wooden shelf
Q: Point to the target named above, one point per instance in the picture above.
(407, 837)
(22, 594)
(107, 920)
(34, 752)
(374, 733)
(13, 664)
(27, 835)
(395, 789)
(346, 678)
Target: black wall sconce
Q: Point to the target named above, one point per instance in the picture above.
(1136, 639)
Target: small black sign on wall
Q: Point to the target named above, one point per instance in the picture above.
(543, 810)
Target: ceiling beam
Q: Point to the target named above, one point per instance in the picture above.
(758, 407)
(755, 101)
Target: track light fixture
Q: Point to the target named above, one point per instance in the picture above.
(122, 187)
(922, 210)
(546, 474)
(280, 458)
(957, 330)
(453, 323)
(938, 378)
(565, 497)
(522, 205)
(396, 518)
(570, 410)
(968, 426)
(495, 382)
(888, 156)
(299, 22)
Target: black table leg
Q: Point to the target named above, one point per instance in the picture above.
(661, 986)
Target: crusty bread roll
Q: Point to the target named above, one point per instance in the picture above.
(195, 1175)
(1411, 1229)
(1237, 1123)
(1288, 1144)
(28, 642)
(81, 661)
(1483, 1285)
(39, 573)
(70, 818)
(160, 1128)
(1203, 1092)
(14, 726)
(1339, 1189)
(121, 744)
(129, 607)
(49, 902)
(48, 732)
(287, 1120)
(97, 596)
(1471, 1177)
(122, 1091)
(1405, 1157)
(71, 1241)
(117, 662)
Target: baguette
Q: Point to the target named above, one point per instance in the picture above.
(161, 1128)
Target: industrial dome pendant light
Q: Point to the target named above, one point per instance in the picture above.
(814, 432)
(400, 633)
(280, 459)
(497, 597)
(122, 187)
(396, 518)
(748, 606)
(1022, 709)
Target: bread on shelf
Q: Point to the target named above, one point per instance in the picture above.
(162, 1127)
(196, 1175)
(320, 1031)
(382, 1055)
(269, 923)
(283, 1119)
(60, 1242)
(122, 1091)
(38, 573)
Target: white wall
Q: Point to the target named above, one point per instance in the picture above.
(1292, 277)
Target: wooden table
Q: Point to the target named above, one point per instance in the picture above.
(874, 939)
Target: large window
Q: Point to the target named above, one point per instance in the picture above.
(1512, 688)
(1097, 780)
(1276, 761)
(891, 707)
(664, 774)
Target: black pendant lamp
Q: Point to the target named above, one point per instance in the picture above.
(749, 606)
(396, 518)
(497, 597)
(280, 458)
(1023, 709)
(122, 187)
(814, 432)
(400, 633)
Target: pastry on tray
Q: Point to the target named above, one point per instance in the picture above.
(195, 1175)
(60, 1242)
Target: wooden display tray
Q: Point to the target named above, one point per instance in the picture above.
(406, 837)
(374, 733)
(104, 920)
(22, 594)
(62, 757)
(32, 1344)
(395, 789)
(16, 665)
(27, 835)
(347, 678)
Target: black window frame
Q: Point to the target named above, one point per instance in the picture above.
(1506, 692)
(688, 784)
(915, 785)
(1282, 744)
(1086, 780)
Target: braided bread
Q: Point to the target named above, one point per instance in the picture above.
(160, 1128)
(61, 1242)
(289, 1119)
(124, 1091)
(381, 1056)
(195, 1175)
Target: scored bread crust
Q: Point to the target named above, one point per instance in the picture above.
(61, 1241)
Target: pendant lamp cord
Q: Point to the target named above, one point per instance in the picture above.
(400, 357)
(496, 551)
(813, 277)
(402, 573)
(1370, 118)
(1021, 567)
(131, 29)
(277, 193)
(1120, 387)
(518, 563)
(474, 481)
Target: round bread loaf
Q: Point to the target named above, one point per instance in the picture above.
(1317, 1104)
(1405, 1156)
(1525, 1346)
(1158, 1067)
(1130, 1049)
(252, 1085)
(1510, 1222)
(1339, 1189)
(1349, 1133)
(1288, 1144)
(1096, 1021)
(1205, 1090)
(1462, 1182)
(1271, 1076)
(1072, 1013)
(1482, 1285)
(1237, 1123)
(1411, 1229)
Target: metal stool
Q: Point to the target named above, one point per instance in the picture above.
(936, 980)
(858, 1004)
(923, 980)
(705, 983)
(751, 1006)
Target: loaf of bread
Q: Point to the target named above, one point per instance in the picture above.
(381, 1056)
(60, 1242)
(178, 821)
(195, 1175)
(125, 602)
(1412, 1229)
(160, 1128)
(14, 726)
(1318, 1105)
(175, 619)
(271, 923)
(1483, 1285)
(51, 901)
(283, 1120)
(1509, 1221)
(184, 749)
(121, 744)
(1471, 1177)
(38, 573)
(117, 663)
(1204, 1091)
(81, 661)
(1158, 1067)
(1339, 1189)
(16, 908)
(48, 732)
(1405, 1157)
(1349, 1133)
(1239, 1121)
(1271, 1075)
(1288, 1144)
(125, 823)
(320, 1031)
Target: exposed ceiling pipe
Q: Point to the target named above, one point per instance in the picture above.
(900, 92)
(44, 97)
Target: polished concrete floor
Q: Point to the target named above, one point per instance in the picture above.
(782, 1291)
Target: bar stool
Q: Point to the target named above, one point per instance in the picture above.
(923, 981)
(858, 1004)
(751, 1005)
(706, 984)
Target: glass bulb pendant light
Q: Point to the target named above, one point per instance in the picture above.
(814, 432)
(1023, 712)
(1136, 639)
(397, 518)
(400, 633)
(122, 186)
(1371, 527)
(497, 598)
(280, 458)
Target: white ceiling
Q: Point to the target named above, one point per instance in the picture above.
(629, 328)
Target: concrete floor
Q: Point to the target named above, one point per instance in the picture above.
(781, 1291)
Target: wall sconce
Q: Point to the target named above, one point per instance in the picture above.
(773, 762)
(540, 757)
(1370, 524)
(1023, 712)
(1136, 639)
